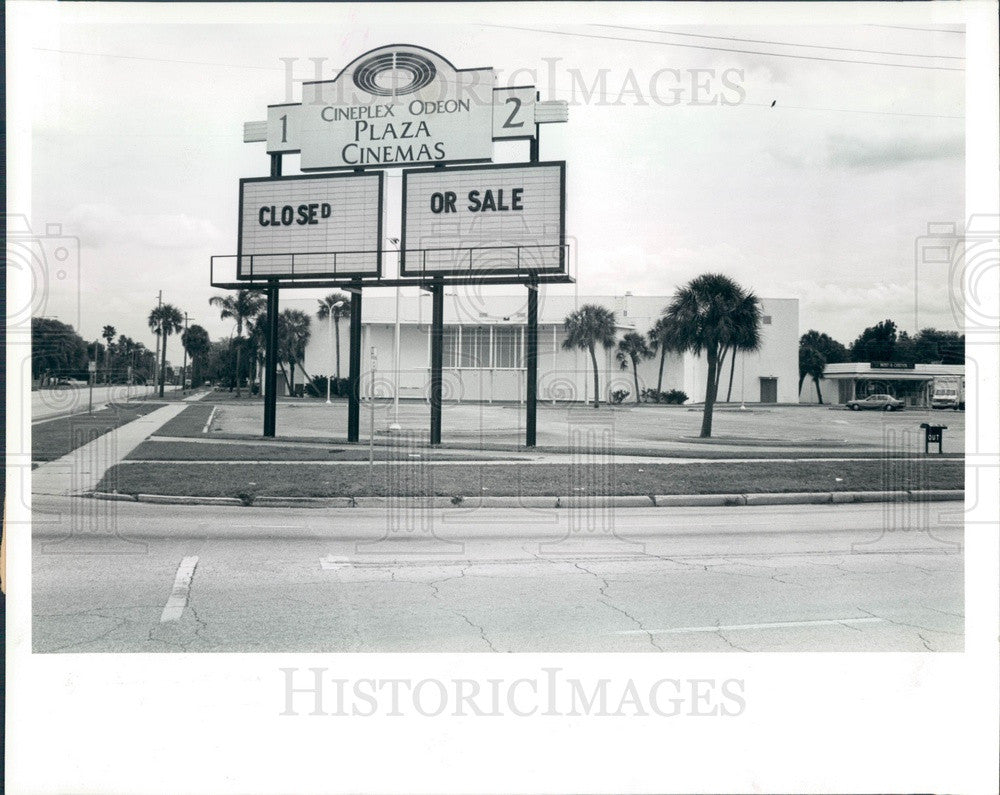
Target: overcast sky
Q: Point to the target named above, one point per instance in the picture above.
(809, 178)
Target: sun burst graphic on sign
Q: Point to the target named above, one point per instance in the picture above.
(394, 73)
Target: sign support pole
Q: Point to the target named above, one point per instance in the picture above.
(531, 398)
(271, 342)
(437, 357)
(354, 373)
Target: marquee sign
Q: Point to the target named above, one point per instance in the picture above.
(478, 220)
(393, 106)
(310, 226)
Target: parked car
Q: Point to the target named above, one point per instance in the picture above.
(880, 402)
(70, 382)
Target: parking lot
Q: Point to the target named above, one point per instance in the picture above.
(658, 428)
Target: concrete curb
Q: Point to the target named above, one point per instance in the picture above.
(627, 501)
(167, 499)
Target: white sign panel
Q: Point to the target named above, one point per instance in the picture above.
(310, 226)
(514, 112)
(492, 219)
(392, 106)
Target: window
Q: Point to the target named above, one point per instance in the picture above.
(475, 347)
(506, 346)
(449, 347)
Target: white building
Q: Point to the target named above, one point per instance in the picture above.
(484, 349)
(913, 384)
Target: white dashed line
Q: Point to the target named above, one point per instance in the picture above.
(178, 600)
(732, 627)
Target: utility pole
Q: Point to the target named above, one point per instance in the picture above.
(184, 366)
(159, 334)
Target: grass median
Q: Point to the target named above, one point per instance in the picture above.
(52, 439)
(276, 451)
(470, 480)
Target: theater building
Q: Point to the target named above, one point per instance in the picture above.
(484, 349)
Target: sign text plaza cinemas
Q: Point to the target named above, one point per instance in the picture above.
(464, 218)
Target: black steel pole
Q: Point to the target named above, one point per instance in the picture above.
(271, 342)
(271, 362)
(437, 357)
(531, 398)
(354, 370)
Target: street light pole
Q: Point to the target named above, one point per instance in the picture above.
(394, 426)
(184, 366)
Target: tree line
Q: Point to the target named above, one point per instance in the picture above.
(883, 342)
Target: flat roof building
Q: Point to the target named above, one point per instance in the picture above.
(484, 349)
(911, 383)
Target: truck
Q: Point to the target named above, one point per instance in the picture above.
(948, 392)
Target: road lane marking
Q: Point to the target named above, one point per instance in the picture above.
(331, 562)
(178, 600)
(772, 625)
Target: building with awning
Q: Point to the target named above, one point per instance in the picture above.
(911, 383)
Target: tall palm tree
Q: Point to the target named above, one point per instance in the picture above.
(631, 348)
(166, 319)
(337, 304)
(663, 337)
(714, 316)
(293, 337)
(242, 307)
(109, 334)
(196, 342)
(126, 349)
(586, 328)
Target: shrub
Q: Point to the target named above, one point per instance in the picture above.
(675, 396)
(619, 395)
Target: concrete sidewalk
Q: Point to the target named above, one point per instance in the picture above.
(82, 469)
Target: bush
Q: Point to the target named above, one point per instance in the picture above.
(656, 396)
(619, 395)
(317, 386)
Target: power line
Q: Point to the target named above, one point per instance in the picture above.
(849, 110)
(922, 30)
(158, 60)
(728, 49)
(783, 43)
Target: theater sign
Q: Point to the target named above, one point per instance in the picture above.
(393, 106)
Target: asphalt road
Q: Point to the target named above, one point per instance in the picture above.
(149, 578)
(66, 400)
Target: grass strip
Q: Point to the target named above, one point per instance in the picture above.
(189, 422)
(206, 451)
(414, 479)
(55, 438)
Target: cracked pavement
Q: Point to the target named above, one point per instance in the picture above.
(774, 578)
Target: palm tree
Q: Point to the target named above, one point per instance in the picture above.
(663, 338)
(243, 307)
(586, 328)
(166, 319)
(258, 344)
(631, 348)
(293, 337)
(109, 334)
(337, 304)
(714, 316)
(196, 342)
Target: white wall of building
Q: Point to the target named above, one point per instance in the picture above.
(562, 374)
